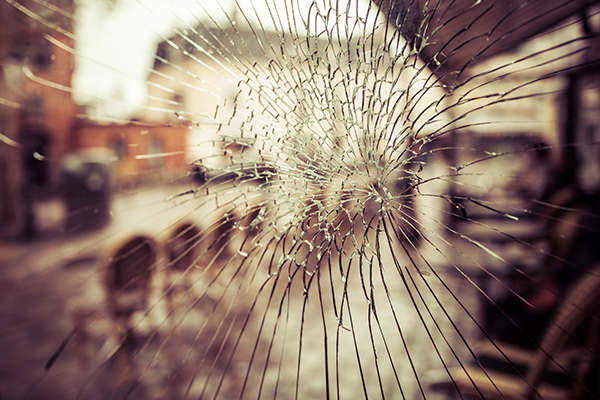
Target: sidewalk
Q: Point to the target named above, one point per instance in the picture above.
(40, 280)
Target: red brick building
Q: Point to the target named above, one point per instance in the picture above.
(36, 111)
(40, 123)
(144, 152)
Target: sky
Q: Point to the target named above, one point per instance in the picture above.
(115, 50)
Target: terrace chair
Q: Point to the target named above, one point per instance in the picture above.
(561, 367)
(127, 267)
(182, 246)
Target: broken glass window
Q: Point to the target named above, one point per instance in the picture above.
(308, 199)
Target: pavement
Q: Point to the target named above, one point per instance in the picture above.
(44, 280)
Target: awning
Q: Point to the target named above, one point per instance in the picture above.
(460, 33)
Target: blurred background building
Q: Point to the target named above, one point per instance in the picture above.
(40, 124)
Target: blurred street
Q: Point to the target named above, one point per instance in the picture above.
(44, 279)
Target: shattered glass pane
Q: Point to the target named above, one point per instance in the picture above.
(299, 199)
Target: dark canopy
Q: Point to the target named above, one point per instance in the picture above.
(460, 33)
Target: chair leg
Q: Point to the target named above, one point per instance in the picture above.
(581, 303)
(585, 367)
